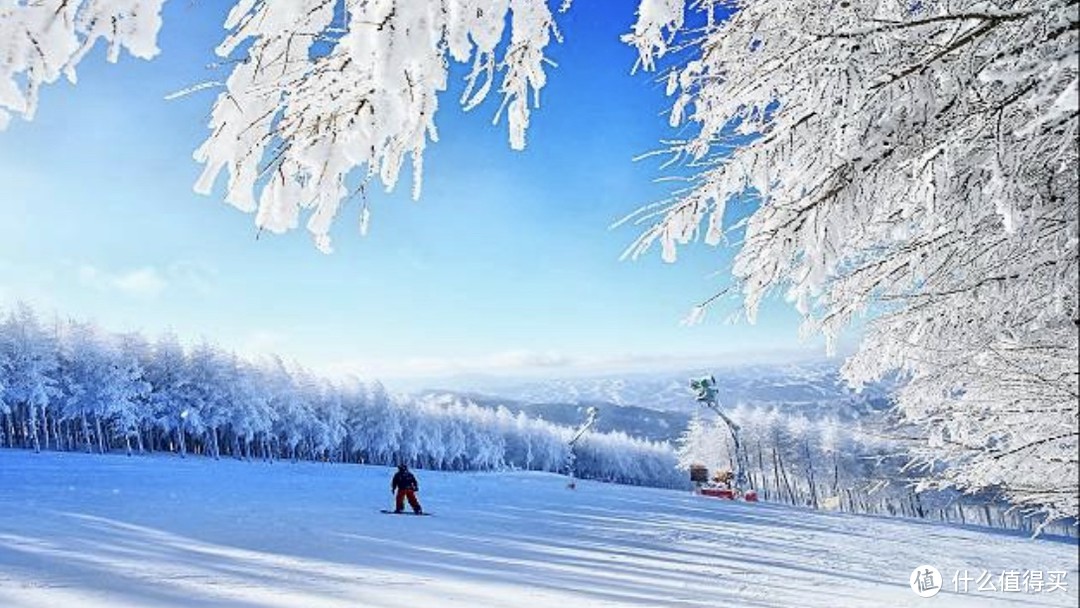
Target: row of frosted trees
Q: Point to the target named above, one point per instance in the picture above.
(851, 465)
(70, 386)
(793, 457)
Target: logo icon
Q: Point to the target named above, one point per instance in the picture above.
(925, 581)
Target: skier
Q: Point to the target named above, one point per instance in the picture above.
(405, 487)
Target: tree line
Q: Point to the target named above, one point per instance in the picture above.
(71, 386)
(856, 465)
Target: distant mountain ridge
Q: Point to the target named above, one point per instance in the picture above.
(658, 406)
(635, 421)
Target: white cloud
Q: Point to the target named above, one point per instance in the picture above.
(193, 275)
(504, 362)
(521, 359)
(146, 282)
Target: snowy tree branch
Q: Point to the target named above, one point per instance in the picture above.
(44, 39)
(911, 162)
(314, 100)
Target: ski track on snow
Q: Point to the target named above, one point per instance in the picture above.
(97, 531)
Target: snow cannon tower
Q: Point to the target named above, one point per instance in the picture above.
(571, 458)
(738, 484)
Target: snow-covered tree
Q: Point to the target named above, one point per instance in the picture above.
(209, 394)
(324, 428)
(250, 415)
(705, 443)
(455, 446)
(168, 376)
(28, 371)
(916, 161)
(137, 352)
(291, 406)
(98, 386)
(129, 401)
(382, 430)
(620, 458)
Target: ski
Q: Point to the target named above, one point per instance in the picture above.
(388, 512)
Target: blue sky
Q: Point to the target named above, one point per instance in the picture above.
(506, 264)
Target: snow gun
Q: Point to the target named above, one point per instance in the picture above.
(737, 484)
(571, 457)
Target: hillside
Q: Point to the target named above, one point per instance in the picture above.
(798, 385)
(658, 406)
(645, 423)
(96, 531)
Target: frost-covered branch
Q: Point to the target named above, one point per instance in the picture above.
(323, 97)
(42, 40)
(326, 87)
(913, 162)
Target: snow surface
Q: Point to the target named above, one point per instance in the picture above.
(83, 530)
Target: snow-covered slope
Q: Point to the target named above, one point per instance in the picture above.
(88, 531)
